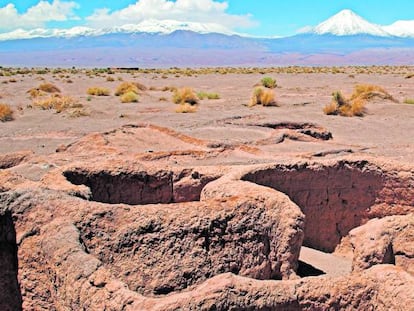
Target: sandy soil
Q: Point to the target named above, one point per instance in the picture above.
(387, 129)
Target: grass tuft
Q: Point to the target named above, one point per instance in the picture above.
(203, 95)
(48, 88)
(129, 97)
(6, 113)
(185, 95)
(264, 97)
(57, 102)
(369, 91)
(409, 101)
(98, 91)
(269, 82)
(126, 87)
(345, 107)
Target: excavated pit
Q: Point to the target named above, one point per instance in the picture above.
(10, 296)
(141, 187)
(334, 199)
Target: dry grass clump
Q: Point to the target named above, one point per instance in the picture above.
(98, 91)
(345, 107)
(43, 89)
(57, 102)
(355, 104)
(264, 97)
(186, 100)
(129, 97)
(409, 101)
(186, 108)
(269, 82)
(203, 95)
(110, 79)
(48, 88)
(368, 91)
(6, 113)
(185, 95)
(126, 87)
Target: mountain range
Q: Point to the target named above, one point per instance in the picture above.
(343, 39)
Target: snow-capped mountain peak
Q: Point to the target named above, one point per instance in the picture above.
(347, 23)
(148, 26)
(401, 28)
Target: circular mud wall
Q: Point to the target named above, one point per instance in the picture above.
(335, 199)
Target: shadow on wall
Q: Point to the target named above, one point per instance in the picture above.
(10, 296)
(335, 199)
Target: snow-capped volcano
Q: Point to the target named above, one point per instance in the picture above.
(347, 23)
(401, 28)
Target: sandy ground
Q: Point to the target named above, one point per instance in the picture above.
(387, 129)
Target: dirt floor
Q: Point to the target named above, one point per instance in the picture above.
(386, 130)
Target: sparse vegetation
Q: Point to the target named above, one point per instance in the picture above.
(129, 97)
(203, 95)
(57, 102)
(368, 91)
(126, 87)
(186, 100)
(269, 82)
(185, 95)
(345, 107)
(6, 113)
(98, 91)
(48, 88)
(355, 104)
(262, 96)
(409, 101)
(110, 79)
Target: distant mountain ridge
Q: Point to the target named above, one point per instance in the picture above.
(344, 39)
(344, 23)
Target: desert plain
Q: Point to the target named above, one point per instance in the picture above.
(134, 206)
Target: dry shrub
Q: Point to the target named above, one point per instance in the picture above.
(345, 107)
(6, 113)
(369, 91)
(203, 95)
(355, 104)
(98, 91)
(186, 108)
(129, 97)
(48, 88)
(126, 87)
(409, 101)
(35, 93)
(57, 102)
(185, 95)
(264, 97)
(110, 79)
(268, 82)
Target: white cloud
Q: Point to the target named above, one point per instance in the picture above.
(37, 15)
(201, 11)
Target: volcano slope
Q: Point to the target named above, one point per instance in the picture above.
(255, 211)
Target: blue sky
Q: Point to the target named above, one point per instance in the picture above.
(255, 17)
